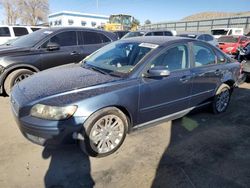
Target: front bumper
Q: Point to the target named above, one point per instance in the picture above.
(47, 132)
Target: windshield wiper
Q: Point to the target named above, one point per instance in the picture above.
(98, 70)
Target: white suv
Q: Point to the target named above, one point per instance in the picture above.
(11, 32)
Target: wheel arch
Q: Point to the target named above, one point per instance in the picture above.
(17, 67)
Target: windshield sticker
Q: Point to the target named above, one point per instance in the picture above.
(149, 45)
(48, 32)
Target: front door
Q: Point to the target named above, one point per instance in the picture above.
(67, 53)
(164, 96)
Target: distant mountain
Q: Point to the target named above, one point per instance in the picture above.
(213, 15)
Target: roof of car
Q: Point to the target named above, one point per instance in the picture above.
(159, 40)
(110, 34)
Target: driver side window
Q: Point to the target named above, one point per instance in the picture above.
(67, 38)
(175, 58)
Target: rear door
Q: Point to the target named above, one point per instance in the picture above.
(68, 52)
(90, 41)
(206, 73)
(167, 95)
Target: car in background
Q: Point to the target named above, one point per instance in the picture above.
(47, 48)
(201, 36)
(218, 32)
(124, 86)
(150, 33)
(230, 44)
(8, 33)
(120, 34)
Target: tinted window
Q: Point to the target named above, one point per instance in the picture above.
(203, 55)
(4, 32)
(20, 31)
(67, 38)
(158, 33)
(174, 58)
(208, 38)
(149, 34)
(201, 37)
(87, 37)
(104, 39)
(168, 33)
(35, 28)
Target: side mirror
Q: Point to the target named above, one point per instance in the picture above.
(158, 71)
(51, 46)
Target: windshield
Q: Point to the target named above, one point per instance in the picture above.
(118, 57)
(121, 19)
(31, 39)
(230, 39)
(219, 32)
(134, 34)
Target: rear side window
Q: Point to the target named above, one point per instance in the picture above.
(203, 55)
(201, 37)
(20, 31)
(157, 33)
(87, 37)
(104, 39)
(168, 33)
(149, 34)
(35, 28)
(208, 38)
(4, 32)
(67, 38)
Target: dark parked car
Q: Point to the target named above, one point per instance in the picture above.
(120, 34)
(201, 36)
(149, 33)
(124, 86)
(47, 48)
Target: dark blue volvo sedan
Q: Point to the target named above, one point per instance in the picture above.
(123, 86)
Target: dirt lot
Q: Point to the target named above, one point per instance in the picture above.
(199, 150)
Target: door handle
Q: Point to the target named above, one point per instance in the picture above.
(185, 79)
(74, 53)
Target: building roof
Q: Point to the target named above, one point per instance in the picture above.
(78, 14)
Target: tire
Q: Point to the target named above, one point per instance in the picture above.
(222, 99)
(15, 77)
(98, 123)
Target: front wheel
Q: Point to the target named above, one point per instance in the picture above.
(104, 132)
(15, 77)
(221, 99)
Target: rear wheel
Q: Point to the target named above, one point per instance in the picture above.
(15, 77)
(104, 132)
(221, 99)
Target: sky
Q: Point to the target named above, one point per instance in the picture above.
(154, 10)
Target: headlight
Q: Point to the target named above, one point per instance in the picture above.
(1, 69)
(229, 48)
(52, 112)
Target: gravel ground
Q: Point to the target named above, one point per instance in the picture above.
(198, 150)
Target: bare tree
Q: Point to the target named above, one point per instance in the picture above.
(33, 11)
(11, 11)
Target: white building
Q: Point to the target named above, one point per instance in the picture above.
(67, 18)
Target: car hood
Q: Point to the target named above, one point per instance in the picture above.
(8, 50)
(60, 80)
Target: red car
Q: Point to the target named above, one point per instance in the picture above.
(230, 44)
